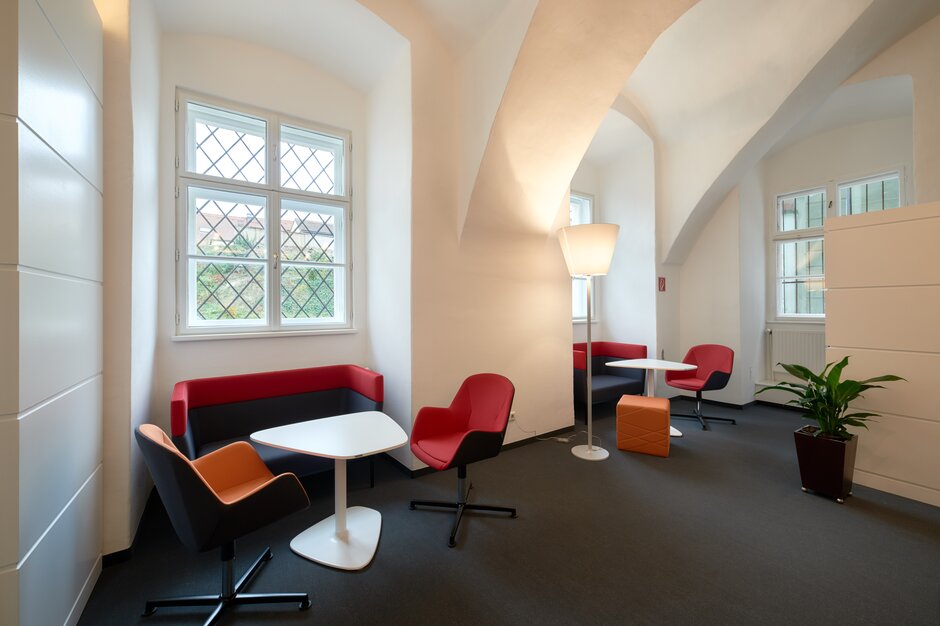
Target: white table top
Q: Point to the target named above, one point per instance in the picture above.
(652, 364)
(348, 436)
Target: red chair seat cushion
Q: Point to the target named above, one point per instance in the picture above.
(690, 383)
(438, 451)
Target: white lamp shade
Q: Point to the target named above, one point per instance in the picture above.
(588, 248)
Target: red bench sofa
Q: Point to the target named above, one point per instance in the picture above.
(208, 413)
(607, 383)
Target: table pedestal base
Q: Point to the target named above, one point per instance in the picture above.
(320, 543)
(590, 453)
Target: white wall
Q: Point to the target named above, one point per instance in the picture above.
(51, 289)
(838, 155)
(710, 291)
(131, 142)
(916, 55)
(388, 231)
(628, 307)
(145, 111)
(750, 360)
(265, 78)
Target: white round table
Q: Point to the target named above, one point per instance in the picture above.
(652, 366)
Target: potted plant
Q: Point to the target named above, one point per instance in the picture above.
(826, 451)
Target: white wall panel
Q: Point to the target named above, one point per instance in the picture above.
(905, 318)
(914, 397)
(9, 172)
(55, 573)
(903, 448)
(912, 237)
(890, 328)
(9, 341)
(60, 433)
(9, 492)
(60, 213)
(54, 98)
(79, 27)
(60, 335)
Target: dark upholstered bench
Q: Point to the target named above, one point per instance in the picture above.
(208, 413)
(607, 383)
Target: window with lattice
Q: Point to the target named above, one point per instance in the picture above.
(264, 208)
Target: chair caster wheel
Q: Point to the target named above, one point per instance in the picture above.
(268, 555)
(513, 516)
(805, 490)
(411, 507)
(840, 500)
(304, 605)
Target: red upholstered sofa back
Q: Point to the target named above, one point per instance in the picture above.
(606, 349)
(190, 394)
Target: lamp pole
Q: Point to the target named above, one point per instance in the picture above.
(590, 452)
(588, 249)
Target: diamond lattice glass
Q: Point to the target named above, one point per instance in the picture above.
(312, 161)
(227, 224)
(229, 291)
(225, 144)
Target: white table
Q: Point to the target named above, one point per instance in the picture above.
(652, 366)
(348, 538)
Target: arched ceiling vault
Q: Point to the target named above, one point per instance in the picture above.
(573, 61)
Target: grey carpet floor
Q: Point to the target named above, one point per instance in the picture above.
(718, 533)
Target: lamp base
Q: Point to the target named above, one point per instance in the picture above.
(590, 453)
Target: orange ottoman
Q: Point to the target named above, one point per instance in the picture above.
(643, 425)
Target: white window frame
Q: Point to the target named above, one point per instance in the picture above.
(340, 205)
(581, 279)
(876, 178)
(781, 236)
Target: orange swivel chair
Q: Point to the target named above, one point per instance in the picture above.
(714, 369)
(470, 429)
(214, 500)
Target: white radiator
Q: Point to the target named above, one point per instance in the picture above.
(803, 347)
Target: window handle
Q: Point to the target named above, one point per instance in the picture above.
(277, 258)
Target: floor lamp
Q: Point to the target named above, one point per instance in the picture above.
(588, 249)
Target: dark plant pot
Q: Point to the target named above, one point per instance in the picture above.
(826, 465)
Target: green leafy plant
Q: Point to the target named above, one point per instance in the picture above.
(825, 398)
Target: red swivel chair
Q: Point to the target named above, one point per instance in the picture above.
(214, 500)
(714, 369)
(470, 429)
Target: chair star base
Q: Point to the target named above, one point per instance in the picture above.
(233, 594)
(461, 505)
(697, 415)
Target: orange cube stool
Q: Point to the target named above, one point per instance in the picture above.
(643, 425)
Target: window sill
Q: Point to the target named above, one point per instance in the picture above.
(263, 334)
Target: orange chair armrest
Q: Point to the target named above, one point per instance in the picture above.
(232, 465)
